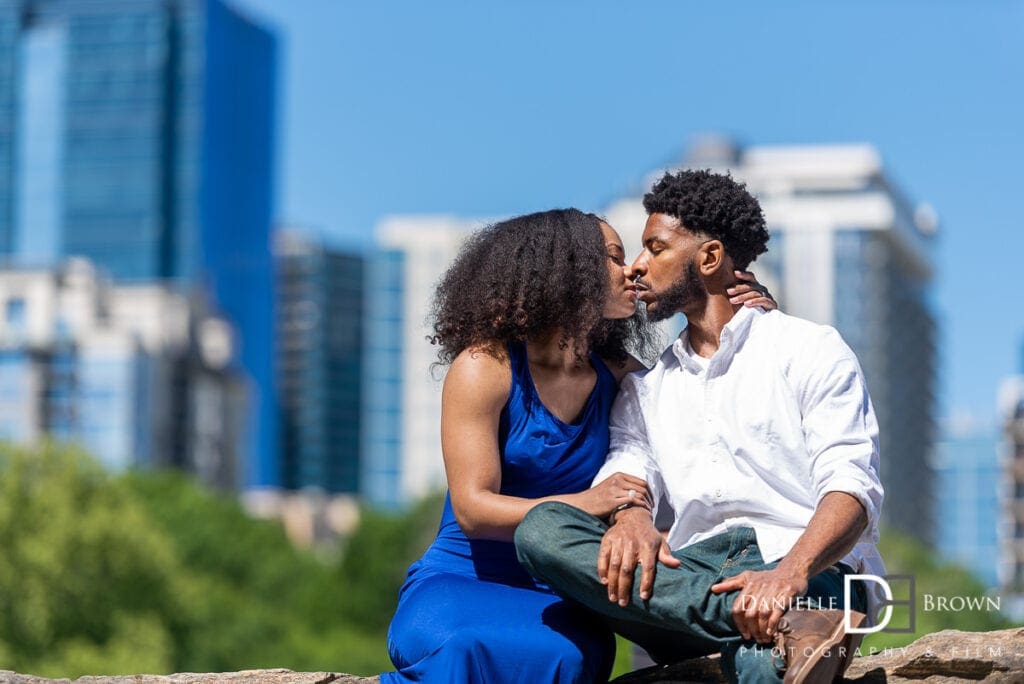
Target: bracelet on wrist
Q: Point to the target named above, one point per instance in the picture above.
(622, 507)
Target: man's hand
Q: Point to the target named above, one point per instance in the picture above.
(632, 540)
(764, 597)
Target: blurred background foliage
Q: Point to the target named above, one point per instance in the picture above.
(148, 572)
(905, 555)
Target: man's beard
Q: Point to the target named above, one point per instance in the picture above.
(687, 290)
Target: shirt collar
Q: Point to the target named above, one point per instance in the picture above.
(734, 334)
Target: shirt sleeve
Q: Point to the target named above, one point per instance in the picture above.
(840, 428)
(629, 449)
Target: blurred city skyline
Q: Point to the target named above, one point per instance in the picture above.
(473, 110)
(222, 222)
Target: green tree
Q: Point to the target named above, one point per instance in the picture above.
(148, 572)
(377, 557)
(263, 602)
(906, 556)
(85, 578)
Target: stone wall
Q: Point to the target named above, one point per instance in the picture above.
(940, 658)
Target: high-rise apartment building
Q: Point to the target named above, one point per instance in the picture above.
(139, 134)
(320, 347)
(138, 375)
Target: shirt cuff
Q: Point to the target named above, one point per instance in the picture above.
(856, 489)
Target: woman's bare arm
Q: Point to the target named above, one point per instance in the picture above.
(475, 391)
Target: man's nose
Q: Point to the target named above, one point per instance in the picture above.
(638, 269)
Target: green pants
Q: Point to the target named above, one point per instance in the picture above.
(558, 544)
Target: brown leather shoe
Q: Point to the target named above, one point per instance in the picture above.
(815, 645)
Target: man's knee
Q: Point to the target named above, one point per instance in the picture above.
(536, 537)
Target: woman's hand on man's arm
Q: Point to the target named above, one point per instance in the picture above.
(614, 493)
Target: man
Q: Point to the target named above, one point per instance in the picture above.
(758, 431)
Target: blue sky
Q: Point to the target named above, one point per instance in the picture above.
(490, 108)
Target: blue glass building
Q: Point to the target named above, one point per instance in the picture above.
(320, 351)
(139, 134)
(383, 394)
(968, 473)
(883, 309)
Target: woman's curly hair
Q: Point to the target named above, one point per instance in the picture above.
(716, 205)
(530, 276)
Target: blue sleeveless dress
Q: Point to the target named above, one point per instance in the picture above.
(468, 612)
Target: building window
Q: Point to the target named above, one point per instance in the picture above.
(15, 312)
(14, 317)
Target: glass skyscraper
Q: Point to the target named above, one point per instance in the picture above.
(320, 352)
(139, 134)
(383, 380)
(967, 478)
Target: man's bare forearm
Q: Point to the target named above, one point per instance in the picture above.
(832, 532)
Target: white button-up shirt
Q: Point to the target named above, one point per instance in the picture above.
(753, 437)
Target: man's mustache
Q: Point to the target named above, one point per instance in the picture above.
(641, 284)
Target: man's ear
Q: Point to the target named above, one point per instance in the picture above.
(711, 258)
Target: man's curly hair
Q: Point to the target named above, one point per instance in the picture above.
(528, 277)
(715, 205)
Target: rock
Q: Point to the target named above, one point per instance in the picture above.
(696, 670)
(939, 658)
(947, 656)
(244, 677)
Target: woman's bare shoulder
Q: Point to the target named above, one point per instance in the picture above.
(482, 372)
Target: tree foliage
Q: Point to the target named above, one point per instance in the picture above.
(85, 576)
(906, 556)
(148, 572)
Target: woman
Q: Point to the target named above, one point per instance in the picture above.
(536, 317)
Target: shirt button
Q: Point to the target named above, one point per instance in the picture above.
(718, 493)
